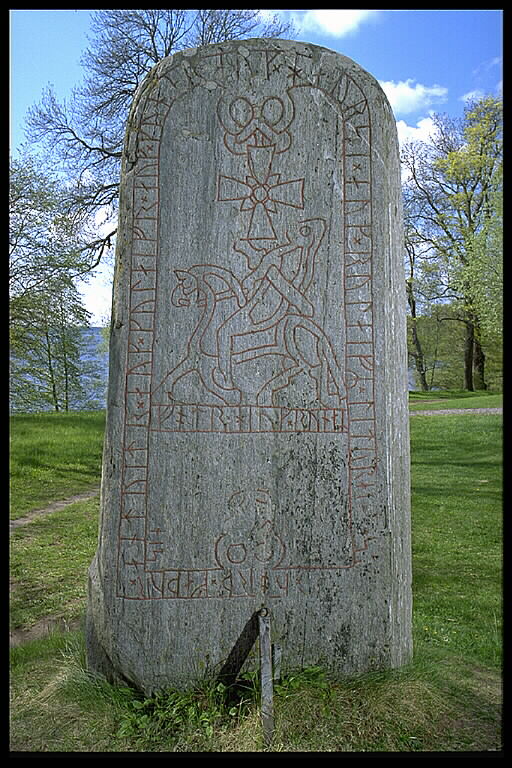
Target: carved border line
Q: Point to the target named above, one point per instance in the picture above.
(136, 545)
(133, 545)
(358, 310)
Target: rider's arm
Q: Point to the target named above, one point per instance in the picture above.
(289, 292)
(271, 259)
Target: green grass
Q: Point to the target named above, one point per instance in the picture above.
(447, 699)
(53, 456)
(455, 398)
(48, 564)
(457, 533)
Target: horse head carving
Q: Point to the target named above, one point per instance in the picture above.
(187, 290)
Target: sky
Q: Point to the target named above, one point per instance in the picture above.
(425, 60)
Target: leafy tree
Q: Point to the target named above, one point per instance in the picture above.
(452, 182)
(49, 369)
(85, 136)
(45, 244)
(46, 313)
(442, 332)
(483, 273)
(413, 293)
(442, 335)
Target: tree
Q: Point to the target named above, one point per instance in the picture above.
(47, 258)
(85, 136)
(412, 285)
(441, 328)
(45, 244)
(483, 273)
(442, 335)
(49, 369)
(451, 181)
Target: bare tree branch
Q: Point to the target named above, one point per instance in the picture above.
(84, 137)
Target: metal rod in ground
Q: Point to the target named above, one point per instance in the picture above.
(267, 688)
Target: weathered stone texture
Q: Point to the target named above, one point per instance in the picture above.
(257, 446)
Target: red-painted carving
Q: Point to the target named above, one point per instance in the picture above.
(271, 323)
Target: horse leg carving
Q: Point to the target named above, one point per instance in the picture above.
(280, 381)
(324, 367)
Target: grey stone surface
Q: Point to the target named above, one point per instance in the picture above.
(257, 444)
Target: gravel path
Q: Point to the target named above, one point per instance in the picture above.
(455, 410)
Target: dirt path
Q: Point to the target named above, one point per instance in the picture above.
(455, 410)
(53, 507)
(48, 623)
(41, 628)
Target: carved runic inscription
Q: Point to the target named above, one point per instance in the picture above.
(269, 344)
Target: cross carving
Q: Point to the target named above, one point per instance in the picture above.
(261, 192)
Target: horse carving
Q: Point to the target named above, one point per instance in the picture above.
(255, 336)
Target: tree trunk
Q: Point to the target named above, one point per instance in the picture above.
(469, 345)
(51, 372)
(419, 357)
(66, 369)
(478, 366)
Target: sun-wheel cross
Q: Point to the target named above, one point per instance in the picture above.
(261, 192)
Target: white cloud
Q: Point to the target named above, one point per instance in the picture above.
(478, 93)
(407, 96)
(487, 65)
(422, 131)
(475, 95)
(332, 23)
(97, 294)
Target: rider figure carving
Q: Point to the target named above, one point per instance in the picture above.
(276, 286)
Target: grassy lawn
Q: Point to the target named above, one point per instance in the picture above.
(457, 532)
(48, 564)
(448, 699)
(53, 456)
(455, 398)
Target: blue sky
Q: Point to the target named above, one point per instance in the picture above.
(426, 61)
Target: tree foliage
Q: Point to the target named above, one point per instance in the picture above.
(442, 336)
(46, 245)
(50, 369)
(483, 272)
(47, 257)
(452, 195)
(441, 329)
